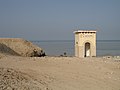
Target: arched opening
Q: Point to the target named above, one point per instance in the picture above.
(87, 49)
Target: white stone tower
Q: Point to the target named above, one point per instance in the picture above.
(85, 43)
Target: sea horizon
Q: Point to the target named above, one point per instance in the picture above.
(58, 47)
(69, 40)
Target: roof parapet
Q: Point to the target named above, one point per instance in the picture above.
(84, 31)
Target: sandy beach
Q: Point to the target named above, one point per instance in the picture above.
(59, 73)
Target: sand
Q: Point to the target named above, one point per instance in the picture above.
(59, 73)
(19, 47)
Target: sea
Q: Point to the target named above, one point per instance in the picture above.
(59, 47)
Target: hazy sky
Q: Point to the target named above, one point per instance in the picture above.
(57, 19)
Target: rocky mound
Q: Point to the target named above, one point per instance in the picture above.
(11, 79)
(21, 47)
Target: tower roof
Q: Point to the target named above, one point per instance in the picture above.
(85, 31)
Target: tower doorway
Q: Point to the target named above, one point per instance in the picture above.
(87, 49)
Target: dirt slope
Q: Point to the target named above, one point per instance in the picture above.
(11, 79)
(20, 47)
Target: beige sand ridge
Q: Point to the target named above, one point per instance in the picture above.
(19, 47)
